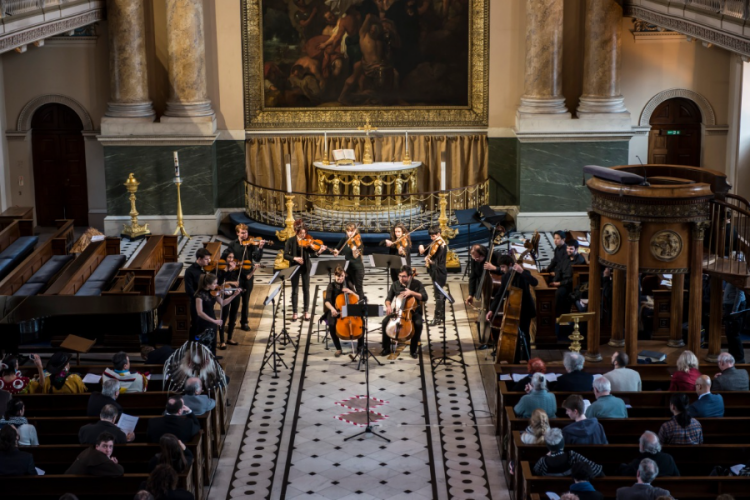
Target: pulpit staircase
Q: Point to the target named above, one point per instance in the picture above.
(727, 241)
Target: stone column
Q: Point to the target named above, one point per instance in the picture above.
(187, 62)
(675, 324)
(696, 286)
(544, 49)
(602, 60)
(631, 291)
(128, 76)
(618, 308)
(595, 290)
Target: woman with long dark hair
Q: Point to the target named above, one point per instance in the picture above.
(162, 483)
(682, 428)
(204, 305)
(399, 244)
(230, 276)
(172, 452)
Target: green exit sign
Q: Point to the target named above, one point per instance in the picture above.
(674, 132)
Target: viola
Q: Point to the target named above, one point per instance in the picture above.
(309, 242)
(249, 265)
(401, 325)
(349, 328)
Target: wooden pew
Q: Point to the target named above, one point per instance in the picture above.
(51, 487)
(697, 487)
(12, 214)
(142, 270)
(59, 244)
(75, 275)
(14, 230)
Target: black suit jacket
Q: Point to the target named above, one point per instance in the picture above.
(97, 401)
(522, 281)
(576, 381)
(292, 250)
(90, 432)
(182, 426)
(17, 463)
(192, 275)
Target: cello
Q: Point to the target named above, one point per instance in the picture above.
(349, 328)
(401, 326)
(511, 318)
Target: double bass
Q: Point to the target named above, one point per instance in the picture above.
(488, 287)
(401, 326)
(508, 325)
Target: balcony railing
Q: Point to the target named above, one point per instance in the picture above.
(20, 7)
(732, 8)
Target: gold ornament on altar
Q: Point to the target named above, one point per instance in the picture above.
(134, 230)
(367, 155)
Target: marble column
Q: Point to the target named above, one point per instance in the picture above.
(544, 50)
(675, 324)
(618, 308)
(595, 291)
(631, 291)
(128, 75)
(602, 60)
(187, 62)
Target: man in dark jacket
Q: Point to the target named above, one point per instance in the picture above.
(576, 380)
(563, 278)
(178, 420)
(98, 400)
(730, 378)
(560, 251)
(192, 276)
(707, 405)
(89, 434)
(243, 252)
(12, 461)
(583, 430)
(582, 487)
(650, 447)
(642, 490)
(98, 460)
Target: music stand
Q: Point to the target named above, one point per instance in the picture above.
(388, 262)
(284, 275)
(467, 217)
(445, 358)
(364, 310)
(274, 355)
(320, 267)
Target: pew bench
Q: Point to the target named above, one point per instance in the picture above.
(45, 275)
(51, 487)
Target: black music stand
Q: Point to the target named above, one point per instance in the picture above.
(321, 267)
(275, 356)
(445, 358)
(387, 262)
(468, 217)
(364, 310)
(284, 275)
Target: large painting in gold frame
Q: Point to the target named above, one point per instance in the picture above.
(262, 112)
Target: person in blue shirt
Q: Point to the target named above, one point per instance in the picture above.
(537, 397)
(708, 405)
(583, 430)
(606, 405)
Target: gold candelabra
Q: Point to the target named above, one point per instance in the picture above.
(180, 223)
(448, 233)
(576, 336)
(134, 230)
(286, 233)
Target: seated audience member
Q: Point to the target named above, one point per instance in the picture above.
(583, 430)
(193, 399)
(177, 420)
(730, 378)
(98, 400)
(538, 425)
(59, 380)
(707, 405)
(650, 447)
(172, 452)
(535, 365)
(606, 405)
(576, 380)
(98, 460)
(569, 496)
(642, 490)
(129, 382)
(89, 433)
(681, 429)
(582, 487)
(4, 398)
(558, 461)
(12, 461)
(13, 382)
(162, 483)
(687, 373)
(622, 378)
(143, 495)
(154, 356)
(538, 397)
(14, 415)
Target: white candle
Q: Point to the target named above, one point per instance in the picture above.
(288, 174)
(442, 174)
(407, 143)
(176, 165)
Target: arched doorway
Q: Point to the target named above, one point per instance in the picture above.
(59, 165)
(675, 136)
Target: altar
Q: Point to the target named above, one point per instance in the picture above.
(376, 187)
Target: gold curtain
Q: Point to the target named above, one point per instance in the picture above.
(466, 163)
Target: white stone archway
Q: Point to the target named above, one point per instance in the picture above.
(708, 117)
(27, 113)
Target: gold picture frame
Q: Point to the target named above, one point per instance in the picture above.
(257, 116)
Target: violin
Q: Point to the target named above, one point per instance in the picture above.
(309, 242)
(402, 243)
(349, 328)
(225, 289)
(255, 240)
(401, 325)
(354, 243)
(433, 247)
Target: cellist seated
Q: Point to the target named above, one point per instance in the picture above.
(405, 287)
(335, 288)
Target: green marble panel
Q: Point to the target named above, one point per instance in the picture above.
(153, 167)
(503, 171)
(230, 174)
(551, 173)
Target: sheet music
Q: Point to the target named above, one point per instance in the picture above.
(314, 267)
(517, 377)
(127, 423)
(372, 260)
(92, 378)
(528, 266)
(505, 377)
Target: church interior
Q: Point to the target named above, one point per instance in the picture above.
(520, 230)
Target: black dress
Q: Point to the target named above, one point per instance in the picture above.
(355, 272)
(229, 311)
(207, 301)
(393, 250)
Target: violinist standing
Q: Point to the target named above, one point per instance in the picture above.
(299, 255)
(437, 269)
(524, 280)
(352, 251)
(399, 244)
(229, 276)
(336, 288)
(204, 305)
(403, 288)
(192, 274)
(242, 251)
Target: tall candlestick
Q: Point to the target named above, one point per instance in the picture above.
(407, 143)
(176, 165)
(288, 174)
(442, 173)
(325, 143)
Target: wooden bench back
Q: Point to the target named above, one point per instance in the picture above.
(73, 278)
(15, 230)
